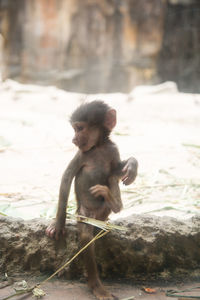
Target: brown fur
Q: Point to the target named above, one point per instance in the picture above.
(96, 168)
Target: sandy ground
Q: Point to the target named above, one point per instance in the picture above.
(158, 126)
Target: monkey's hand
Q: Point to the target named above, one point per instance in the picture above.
(100, 190)
(54, 230)
(129, 171)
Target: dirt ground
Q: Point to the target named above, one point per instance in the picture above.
(58, 289)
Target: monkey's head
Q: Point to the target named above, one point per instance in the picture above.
(92, 123)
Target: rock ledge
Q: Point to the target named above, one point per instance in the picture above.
(151, 245)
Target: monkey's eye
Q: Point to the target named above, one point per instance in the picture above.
(79, 128)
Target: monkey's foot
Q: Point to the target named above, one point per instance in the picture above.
(101, 294)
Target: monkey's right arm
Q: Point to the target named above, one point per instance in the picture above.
(57, 227)
(110, 193)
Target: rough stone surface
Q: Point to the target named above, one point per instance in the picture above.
(94, 46)
(179, 54)
(86, 46)
(151, 246)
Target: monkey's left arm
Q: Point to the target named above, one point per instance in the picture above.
(115, 198)
(124, 169)
(128, 169)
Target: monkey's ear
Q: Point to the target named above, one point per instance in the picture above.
(110, 119)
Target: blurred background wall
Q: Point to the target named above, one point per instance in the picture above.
(101, 45)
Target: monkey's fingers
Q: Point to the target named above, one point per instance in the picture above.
(47, 231)
(125, 176)
(50, 232)
(95, 193)
(96, 188)
(129, 176)
(127, 180)
(99, 190)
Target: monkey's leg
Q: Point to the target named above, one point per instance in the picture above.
(86, 234)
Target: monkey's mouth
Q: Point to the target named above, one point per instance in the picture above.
(81, 146)
(84, 147)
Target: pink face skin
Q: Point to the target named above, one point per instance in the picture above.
(85, 137)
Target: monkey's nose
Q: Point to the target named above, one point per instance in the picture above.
(74, 141)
